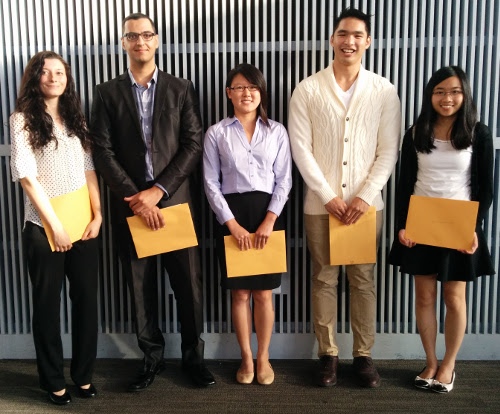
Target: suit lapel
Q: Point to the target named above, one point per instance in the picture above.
(125, 86)
(160, 97)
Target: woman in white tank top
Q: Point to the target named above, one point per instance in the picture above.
(446, 154)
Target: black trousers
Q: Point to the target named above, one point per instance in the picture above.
(47, 270)
(184, 271)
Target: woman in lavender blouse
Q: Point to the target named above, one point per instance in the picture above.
(247, 173)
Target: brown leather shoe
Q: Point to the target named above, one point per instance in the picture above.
(366, 372)
(327, 373)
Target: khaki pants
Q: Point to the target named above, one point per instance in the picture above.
(324, 291)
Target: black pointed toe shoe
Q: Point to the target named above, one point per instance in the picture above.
(59, 399)
(89, 392)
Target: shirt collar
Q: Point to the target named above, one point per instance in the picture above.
(233, 119)
(154, 79)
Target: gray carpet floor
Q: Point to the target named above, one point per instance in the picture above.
(476, 390)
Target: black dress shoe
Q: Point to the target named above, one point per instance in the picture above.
(59, 399)
(147, 377)
(327, 374)
(366, 372)
(199, 374)
(89, 392)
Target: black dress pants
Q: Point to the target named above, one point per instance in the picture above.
(47, 270)
(184, 271)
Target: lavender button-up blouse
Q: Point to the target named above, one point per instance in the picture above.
(233, 165)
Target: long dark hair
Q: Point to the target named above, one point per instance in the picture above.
(466, 117)
(31, 104)
(255, 77)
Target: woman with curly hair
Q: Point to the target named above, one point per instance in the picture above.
(446, 154)
(51, 156)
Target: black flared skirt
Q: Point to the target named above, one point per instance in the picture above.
(447, 264)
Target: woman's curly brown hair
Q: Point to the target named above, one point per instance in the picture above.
(31, 104)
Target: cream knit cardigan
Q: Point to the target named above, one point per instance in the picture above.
(346, 153)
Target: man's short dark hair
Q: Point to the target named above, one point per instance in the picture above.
(137, 16)
(355, 13)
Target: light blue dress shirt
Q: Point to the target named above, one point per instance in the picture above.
(144, 97)
(233, 165)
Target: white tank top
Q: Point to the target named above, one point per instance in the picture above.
(444, 173)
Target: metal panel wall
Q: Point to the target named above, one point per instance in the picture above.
(288, 40)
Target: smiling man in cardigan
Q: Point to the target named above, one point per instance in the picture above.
(344, 127)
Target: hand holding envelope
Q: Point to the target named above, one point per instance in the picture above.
(177, 234)
(355, 243)
(270, 259)
(442, 222)
(74, 211)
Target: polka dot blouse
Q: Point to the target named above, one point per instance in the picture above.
(59, 171)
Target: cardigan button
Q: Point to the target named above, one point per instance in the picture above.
(347, 119)
(346, 139)
(345, 163)
(344, 185)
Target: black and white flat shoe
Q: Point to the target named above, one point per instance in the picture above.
(442, 387)
(423, 383)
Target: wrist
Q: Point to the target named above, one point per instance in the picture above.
(271, 217)
(231, 224)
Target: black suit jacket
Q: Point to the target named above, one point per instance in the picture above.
(119, 145)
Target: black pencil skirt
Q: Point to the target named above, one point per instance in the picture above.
(249, 210)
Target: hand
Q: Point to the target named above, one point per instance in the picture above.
(92, 229)
(337, 207)
(153, 218)
(403, 240)
(62, 242)
(240, 234)
(144, 201)
(473, 248)
(355, 211)
(265, 229)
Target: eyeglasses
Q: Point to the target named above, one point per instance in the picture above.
(133, 37)
(442, 94)
(241, 88)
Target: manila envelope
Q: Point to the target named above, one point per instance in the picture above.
(356, 243)
(177, 234)
(73, 211)
(441, 222)
(270, 259)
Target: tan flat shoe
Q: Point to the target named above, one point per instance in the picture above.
(244, 377)
(267, 378)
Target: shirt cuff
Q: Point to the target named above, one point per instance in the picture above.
(276, 207)
(368, 194)
(326, 194)
(163, 189)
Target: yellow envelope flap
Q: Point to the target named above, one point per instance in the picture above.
(441, 222)
(270, 259)
(356, 243)
(177, 234)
